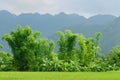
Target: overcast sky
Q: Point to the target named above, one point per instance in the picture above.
(83, 7)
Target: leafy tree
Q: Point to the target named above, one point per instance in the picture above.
(88, 49)
(67, 43)
(114, 56)
(28, 49)
(23, 44)
(5, 60)
(62, 45)
(44, 50)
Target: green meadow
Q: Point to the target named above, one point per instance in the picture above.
(59, 75)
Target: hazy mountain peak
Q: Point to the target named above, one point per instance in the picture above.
(6, 13)
(102, 16)
(101, 19)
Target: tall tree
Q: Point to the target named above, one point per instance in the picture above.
(67, 43)
(23, 44)
(88, 49)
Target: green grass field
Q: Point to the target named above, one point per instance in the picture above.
(59, 75)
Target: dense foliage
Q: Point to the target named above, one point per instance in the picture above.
(75, 52)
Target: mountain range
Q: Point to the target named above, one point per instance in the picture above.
(49, 24)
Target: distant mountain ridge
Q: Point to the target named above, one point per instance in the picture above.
(48, 24)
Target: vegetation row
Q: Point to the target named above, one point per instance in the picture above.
(74, 52)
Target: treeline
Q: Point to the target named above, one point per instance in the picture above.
(75, 52)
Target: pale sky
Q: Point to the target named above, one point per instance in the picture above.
(82, 7)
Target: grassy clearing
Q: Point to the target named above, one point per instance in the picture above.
(59, 76)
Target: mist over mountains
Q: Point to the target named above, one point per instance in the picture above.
(48, 25)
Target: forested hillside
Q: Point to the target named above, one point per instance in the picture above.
(48, 25)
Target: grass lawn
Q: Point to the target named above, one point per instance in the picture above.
(59, 75)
